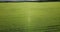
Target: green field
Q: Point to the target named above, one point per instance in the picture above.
(29, 16)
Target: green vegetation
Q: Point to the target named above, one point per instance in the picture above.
(29, 16)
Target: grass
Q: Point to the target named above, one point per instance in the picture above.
(29, 16)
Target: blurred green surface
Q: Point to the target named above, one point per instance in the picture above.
(29, 17)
